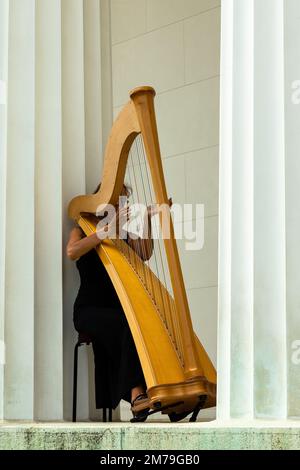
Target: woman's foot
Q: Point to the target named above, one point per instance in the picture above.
(140, 407)
(136, 391)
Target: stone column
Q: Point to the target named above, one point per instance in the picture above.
(52, 117)
(92, 92)
(3, 134)
(73, 166)
(86, 114)
(292, 113)
(254, 280)
(48, 222)
(98, 122)
(31, 218)
(20, 214)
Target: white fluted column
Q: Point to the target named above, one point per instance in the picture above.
(252, 355)
(20, 217)
(55, 116)
(3, 137)
(48, 222)
(32, 213)
(92, 92)
(106, 71)
(98, 121)
(73, 131)
(292, 112)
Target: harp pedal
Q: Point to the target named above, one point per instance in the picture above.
(174, 417)
(143, 417)
(198, 407)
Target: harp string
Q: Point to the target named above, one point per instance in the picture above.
(157, 287)
(146, 261)
(133, 197)
(170, 304)
(126, 250)
(140, 266)
(167, 304)
(149, 277)
(161, 296)
(152, 272)
(131, 167)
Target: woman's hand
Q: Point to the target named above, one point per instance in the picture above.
(114, 227)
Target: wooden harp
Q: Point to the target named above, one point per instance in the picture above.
(179, 375)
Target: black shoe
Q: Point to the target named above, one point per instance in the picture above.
(139, 408)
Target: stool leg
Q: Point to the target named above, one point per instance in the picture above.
(104, 415)
(110, 415)
(75, 381)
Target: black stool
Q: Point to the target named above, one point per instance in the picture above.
(83, 338)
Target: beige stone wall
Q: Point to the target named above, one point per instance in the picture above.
(174, 45)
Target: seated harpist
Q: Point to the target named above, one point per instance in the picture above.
(132, 300)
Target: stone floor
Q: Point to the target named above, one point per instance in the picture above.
(151, 436)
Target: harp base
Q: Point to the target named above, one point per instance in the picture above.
(187, 392)
(173, 416)
(178, 400)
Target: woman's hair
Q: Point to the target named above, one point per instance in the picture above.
(128, 189)
(97, 189)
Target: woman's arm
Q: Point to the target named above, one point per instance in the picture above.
(79, 245)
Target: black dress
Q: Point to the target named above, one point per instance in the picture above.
(98, 313)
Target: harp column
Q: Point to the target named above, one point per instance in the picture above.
(259, 279)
